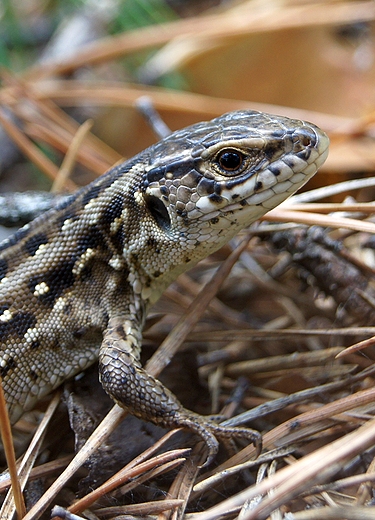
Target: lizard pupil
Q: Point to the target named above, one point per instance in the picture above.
(230, 160)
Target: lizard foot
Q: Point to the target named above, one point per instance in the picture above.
(146, 397)
(211, 431)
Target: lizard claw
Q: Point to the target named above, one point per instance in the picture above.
(210, 432)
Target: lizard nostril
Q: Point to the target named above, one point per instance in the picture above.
(306, 140)
(303, 139)
(306, 137)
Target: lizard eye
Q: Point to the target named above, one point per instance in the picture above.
(230, 161)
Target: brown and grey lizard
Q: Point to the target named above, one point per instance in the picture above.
(76, 284)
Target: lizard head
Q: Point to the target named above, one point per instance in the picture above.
(206, 182)
(229, 172)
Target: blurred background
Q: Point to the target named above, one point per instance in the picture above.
(195, 59)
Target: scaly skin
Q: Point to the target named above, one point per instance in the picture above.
(76, 284)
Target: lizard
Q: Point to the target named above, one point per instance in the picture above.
(77, 282)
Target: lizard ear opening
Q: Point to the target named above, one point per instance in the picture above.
(158, 211)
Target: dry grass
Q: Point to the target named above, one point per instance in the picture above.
(262, 321)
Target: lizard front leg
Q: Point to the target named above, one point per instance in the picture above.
(144, 396)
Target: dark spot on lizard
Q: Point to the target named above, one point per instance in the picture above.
(304, 154)
(35, 344)
(258, 186)
(118, 239)
(93, 239)
(151, 242)
(33, 243)
(218, 188)
(122, 287)
(274, 169)
(91, 193)
(86, 272)
(17, 325)
(58, 280)
(235, 196)
(69, 215)
(9, 366)
(3, 268)
(216, 199)
(214, 220)
(156, 274)
(112, 211)
(243, 202)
